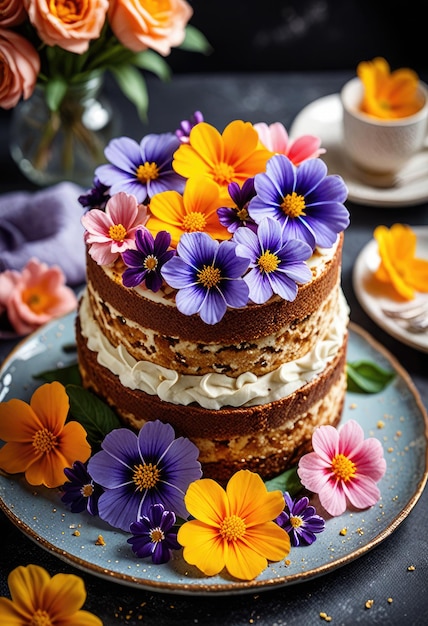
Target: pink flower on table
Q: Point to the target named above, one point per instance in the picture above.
(111, 232)
(34, 296)
(275, 138)
(12, 12)
(344, 467)
(19, 68)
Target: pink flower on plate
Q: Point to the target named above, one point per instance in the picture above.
(275, 138)
(111, 232)
(34, 296)
(344, 467)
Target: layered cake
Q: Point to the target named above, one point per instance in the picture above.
(248, 390)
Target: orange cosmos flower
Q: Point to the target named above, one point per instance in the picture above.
(233, 156)
(398, 265)
(388, 95)
(38, 441)
(195, 210)
(233, 528)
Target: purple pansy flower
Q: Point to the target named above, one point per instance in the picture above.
(235, 217)
(96, 197)
(137, 471)
(276, 264)
(300, 521)
(80, 492)
(304, 200)
(154, 535)
(144, 263)
(183, 132)
(208, 276)
(143, 169)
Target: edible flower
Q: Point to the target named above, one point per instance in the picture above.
(208, 277)
(80, 492)
(343, 468)
(234, 217)
(276, 264)
(34, 296)
(300, 520)
(183, 131)
(38, 598)
(399, 265)
(111, 232)
(145, 263)
(138, 470)
(275, 138)
(304, 200)
(143, 169)
(234, 155)
(39, 442)
(233, 527)
(154, 535)
(388, 95)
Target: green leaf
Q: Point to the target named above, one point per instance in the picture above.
(287, 481)
(152, 62)
(55, 91)
(96, 417)
(69, 375)
(133, 86)
(367, 377)
(195, 41)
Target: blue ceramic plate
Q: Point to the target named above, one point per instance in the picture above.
(396, 416)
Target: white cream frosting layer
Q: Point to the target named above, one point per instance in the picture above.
(213, 391)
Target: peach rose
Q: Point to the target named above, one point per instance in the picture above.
(69, 25)
(12, 12)
(19, 68)
(142, 24)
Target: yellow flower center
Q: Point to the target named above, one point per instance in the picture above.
(209, 276)
(194, 222)
(268, 262)
(293, 205)
(147, 171)
(117, 232)
(296, 521)
(242, 214)
(150, 263)
(37, 299)
(40, 618)
(223, 173)
(157, 535)
(146, 476)
(87, 490)
(343, 468)
(232, 528)
(44, 441)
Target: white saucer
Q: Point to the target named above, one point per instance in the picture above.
(323, 118)
(374, 295)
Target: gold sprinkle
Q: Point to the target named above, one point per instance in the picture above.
(398, 433)
(389, 600)
(360, 531)
(353, 406)
(411, 568)
(369, 604)
(380, 424)
(390, 449)
(100, 541)
(325, 617)
(343, 531)
(76, 533)
(287, 562)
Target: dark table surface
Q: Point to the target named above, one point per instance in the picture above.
(380, 573)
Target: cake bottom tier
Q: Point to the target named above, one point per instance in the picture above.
(267, 439)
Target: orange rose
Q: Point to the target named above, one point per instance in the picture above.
(19, 68)
(69, 25)
(142, 24)
(12, 12)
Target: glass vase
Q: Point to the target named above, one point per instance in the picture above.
(67, 144)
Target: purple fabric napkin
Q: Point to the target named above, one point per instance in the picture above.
(43, 224)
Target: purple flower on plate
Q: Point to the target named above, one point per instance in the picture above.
(96, 197)
(235, 217)
(154, 535)
(80, 492)
(183, 132)
(143, 169)
(304, 200)
(300, 521)
(208, 276)
(137, 471)
(144, 263)
(276, 264)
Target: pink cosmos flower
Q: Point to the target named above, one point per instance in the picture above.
(112, 232)
(19, 68)
(343, 467)
(275, 138)
(34, 296)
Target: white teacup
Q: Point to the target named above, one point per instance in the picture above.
(380, 146)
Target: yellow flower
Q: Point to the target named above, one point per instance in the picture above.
(388, 95)
(39, 442)
(398, 265)
(233, 527)
(39, 599)
(195, 210)
(233, 156)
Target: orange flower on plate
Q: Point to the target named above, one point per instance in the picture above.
(398, 263)
(39, 442)
(389, 95)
